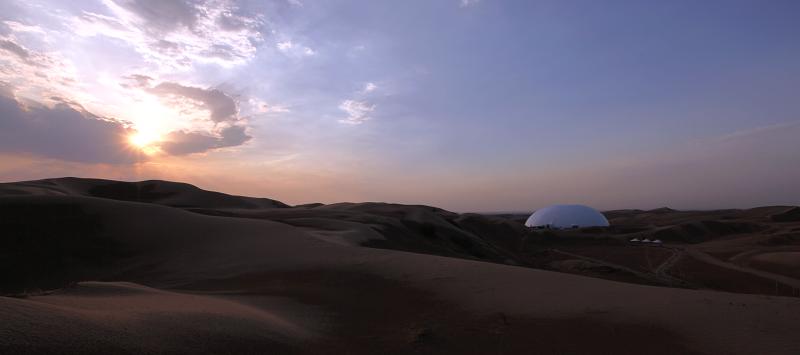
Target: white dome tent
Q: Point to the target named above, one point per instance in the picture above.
(566, 216)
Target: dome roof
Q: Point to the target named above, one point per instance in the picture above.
(567, 216)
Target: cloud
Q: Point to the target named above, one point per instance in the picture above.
(357, 111)
(175, 33)
(369, 87)
(163, 15)
(30, 72)
(183, 143)
(222, 108)
(64, 131)
(228, 128)
(23, 55)
(15, 49)
(256, 106)
(284, 46)
(14, 26)
(230, 22)
(468, 3)
(233, 136)
(139, 80)
(756, 131)
(294, 49)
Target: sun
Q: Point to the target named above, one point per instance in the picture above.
(143, 141)
(139, 140)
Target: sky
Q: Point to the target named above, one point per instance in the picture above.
(468, 105)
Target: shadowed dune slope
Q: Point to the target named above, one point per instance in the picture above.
(790, 215)
(151, 191)
(415, 228)
(119, 317)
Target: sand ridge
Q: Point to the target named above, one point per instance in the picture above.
(171, 276)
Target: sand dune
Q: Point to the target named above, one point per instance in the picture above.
(151, 191)
(165, 279)
(123, 317)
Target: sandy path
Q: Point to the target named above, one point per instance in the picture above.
(699, 255)
(658, 276)
(662, 271)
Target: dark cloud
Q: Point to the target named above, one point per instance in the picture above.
(62, 132)
(25, 56)
(233, 136)
(163, 15)
(222, 107)
(223, 51)
(15, 49)
(183, 143)
(229, 22)
(138, 80)
(167, 47)
(223, 111)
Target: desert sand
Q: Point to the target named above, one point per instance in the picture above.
(98, 266)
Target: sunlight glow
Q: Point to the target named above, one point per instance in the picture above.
(139, 140)
(144, 141)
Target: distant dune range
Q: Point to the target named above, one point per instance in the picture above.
(99, 266)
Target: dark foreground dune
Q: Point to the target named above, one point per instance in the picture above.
(176, 270)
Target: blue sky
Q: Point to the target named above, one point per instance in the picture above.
(468, 105)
